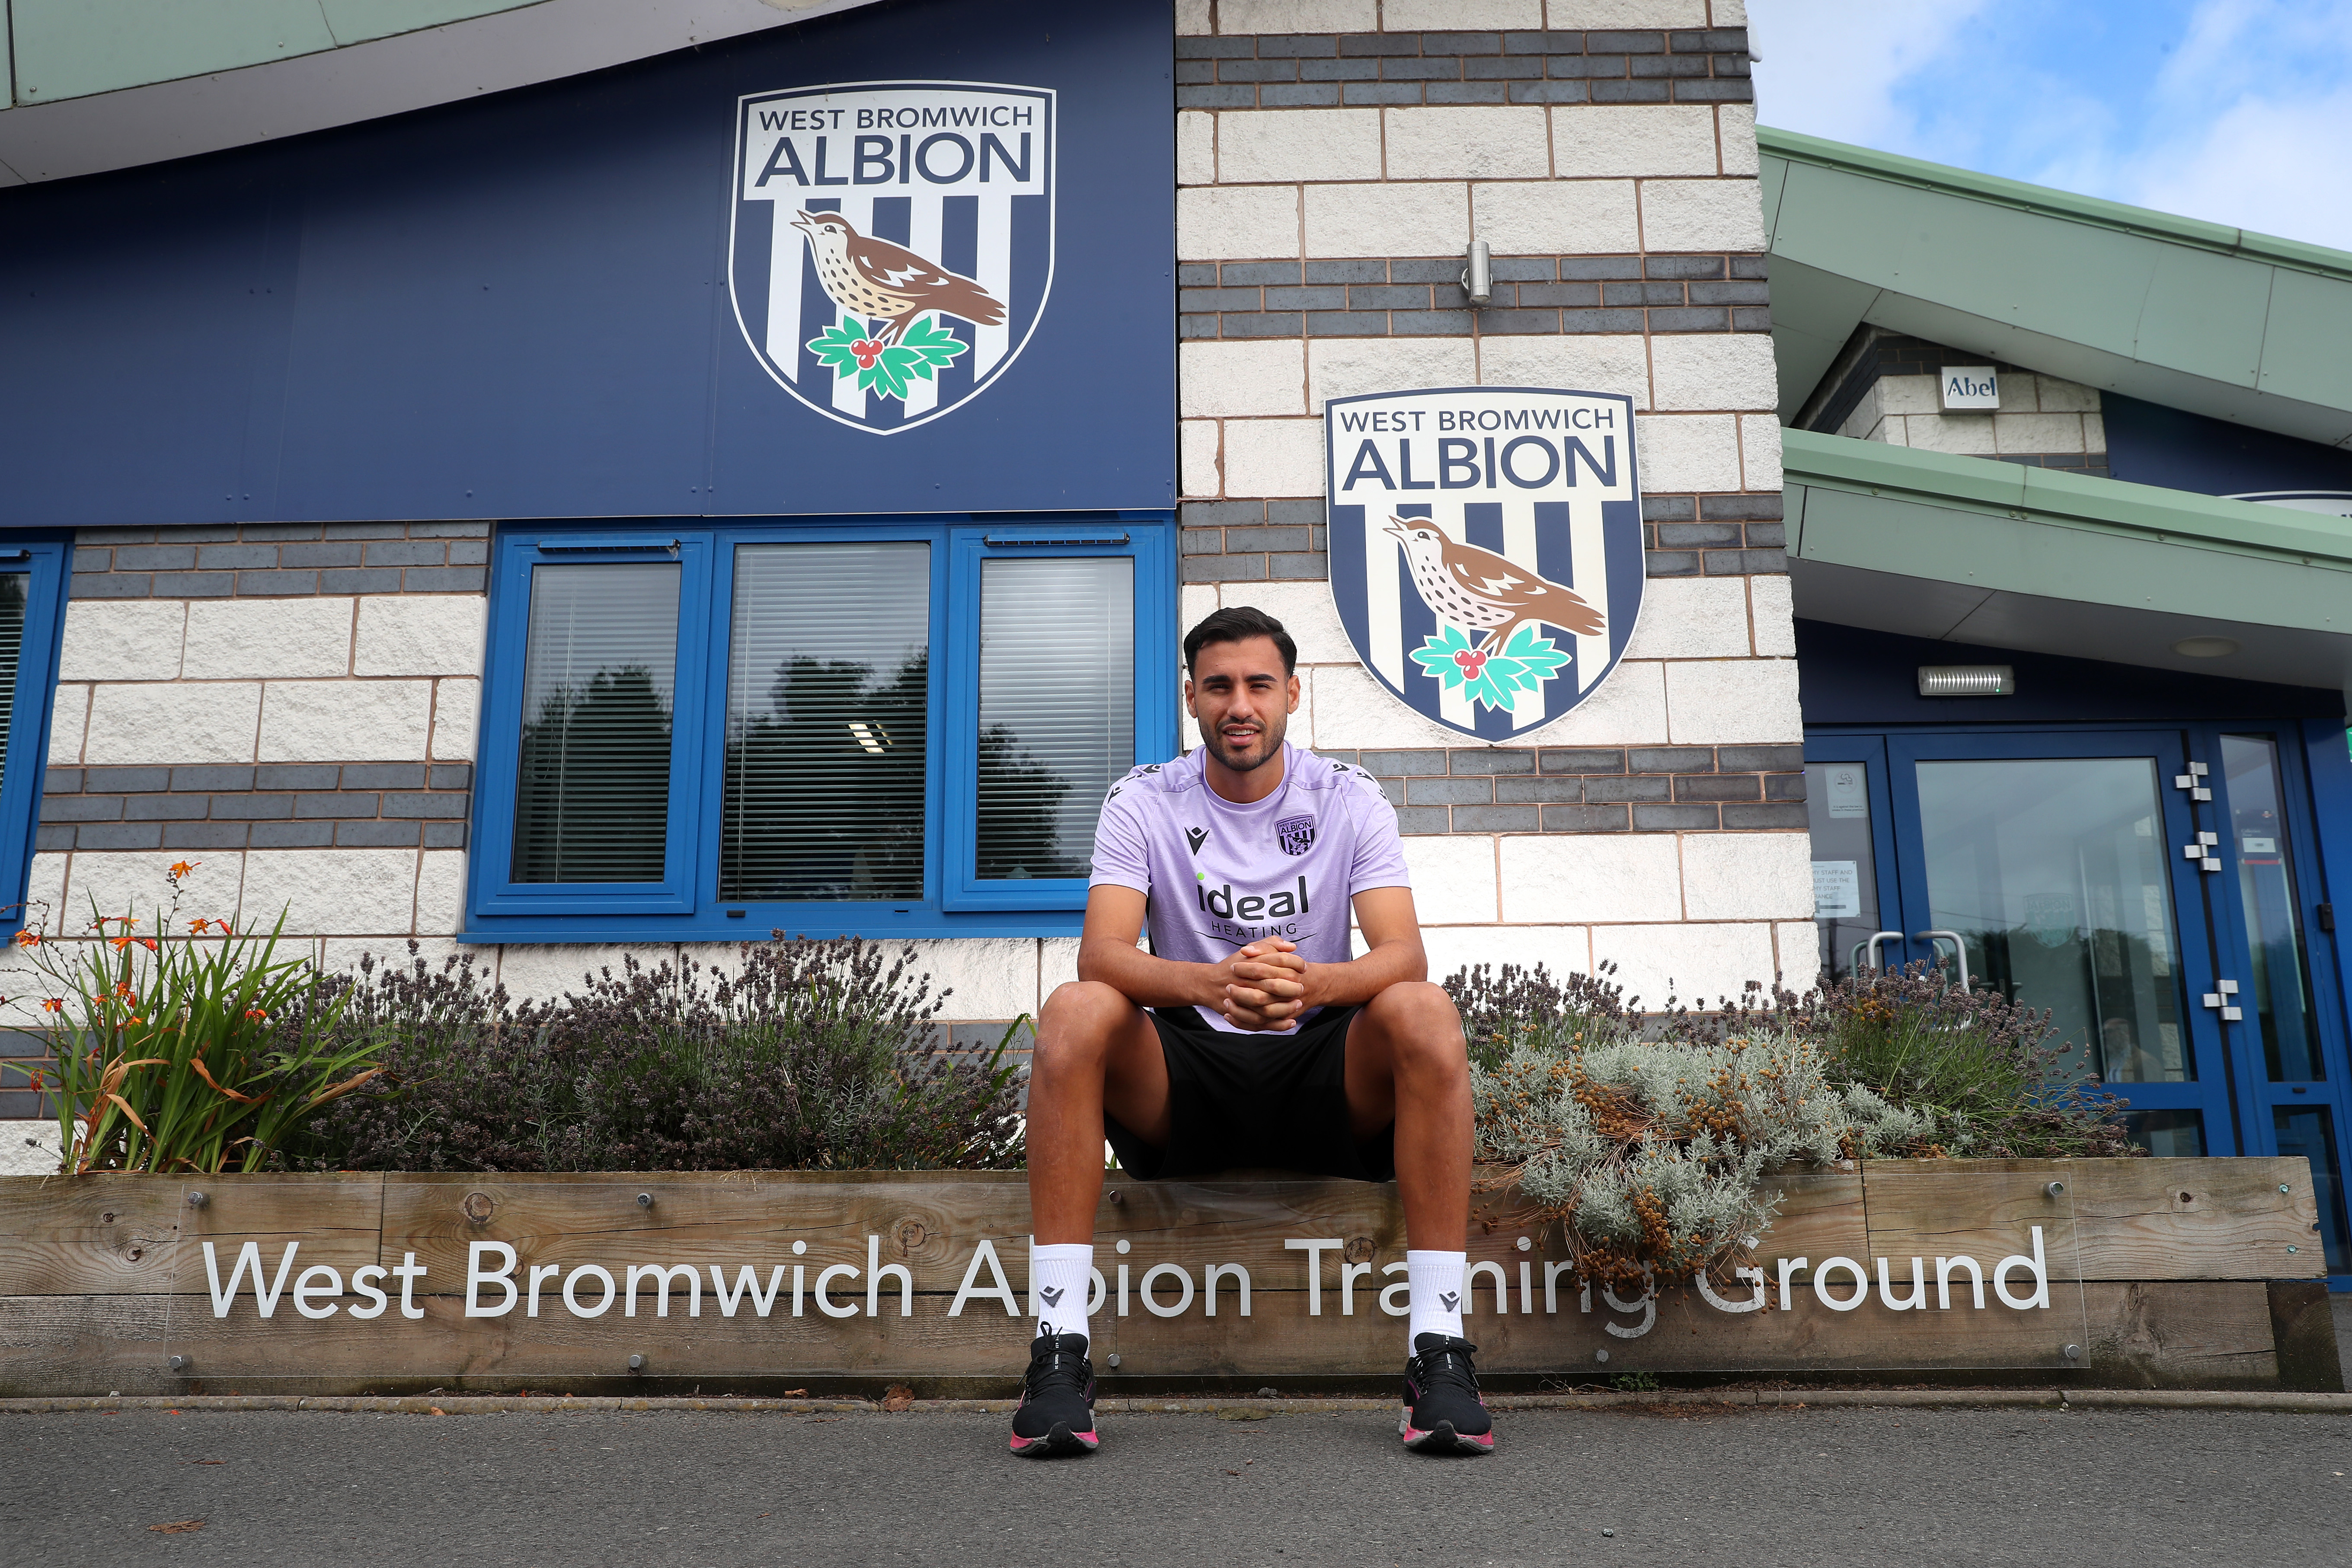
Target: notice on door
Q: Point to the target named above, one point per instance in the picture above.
(1848, 790)
(1837, 890)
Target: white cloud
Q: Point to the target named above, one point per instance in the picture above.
(2231, 110)
(1830, 67)
(2277, 168)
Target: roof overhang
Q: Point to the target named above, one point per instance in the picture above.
(2192, 315)
(1967, 550)
(492, 45)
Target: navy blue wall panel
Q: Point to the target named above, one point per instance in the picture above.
(1849, 675)
(517, 306)
(2148, 444)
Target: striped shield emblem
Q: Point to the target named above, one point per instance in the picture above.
(1485, 547)
(893, 242)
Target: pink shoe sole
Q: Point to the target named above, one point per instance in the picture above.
(1060, 1440)
(1444, 1439)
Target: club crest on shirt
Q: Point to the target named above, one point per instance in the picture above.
(1487, 556)
(1296, 834)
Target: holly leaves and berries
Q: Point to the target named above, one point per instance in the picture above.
(891, 369)
(1491, 679)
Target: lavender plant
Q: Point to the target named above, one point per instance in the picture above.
(803, 1055)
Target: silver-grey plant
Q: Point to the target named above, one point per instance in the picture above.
(1657, 1157)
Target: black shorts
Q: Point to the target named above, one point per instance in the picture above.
(1275, 1101)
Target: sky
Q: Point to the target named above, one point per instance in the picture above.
(2238, 111)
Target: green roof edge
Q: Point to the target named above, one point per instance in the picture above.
(2055, 497)
(1818, 150)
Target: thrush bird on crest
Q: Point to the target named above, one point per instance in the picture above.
(1479, 589)
(876, 280)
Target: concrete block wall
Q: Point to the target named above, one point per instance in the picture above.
(1888, 392)
(1335, 159)
(2042, 421)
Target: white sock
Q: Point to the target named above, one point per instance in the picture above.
(1433, 1284)
(1060, 1280)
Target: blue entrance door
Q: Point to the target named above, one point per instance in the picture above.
(2150, 888)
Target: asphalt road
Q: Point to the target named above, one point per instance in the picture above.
(1759, 1489)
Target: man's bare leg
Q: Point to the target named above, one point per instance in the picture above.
(1094, 1048)
(1407, 1064)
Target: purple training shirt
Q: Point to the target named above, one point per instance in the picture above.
(1220, 876)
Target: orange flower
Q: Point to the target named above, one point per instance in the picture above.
(53, 1005)
(28, 937)
(149, 944)
(122, 988)
(256, 1014)
(182, 868)
(198, 926)
(118, 942)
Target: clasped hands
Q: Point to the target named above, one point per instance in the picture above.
(1264, 986)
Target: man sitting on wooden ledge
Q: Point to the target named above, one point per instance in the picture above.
(1248, 1036)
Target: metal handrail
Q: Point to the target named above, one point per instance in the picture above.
(1958, 947)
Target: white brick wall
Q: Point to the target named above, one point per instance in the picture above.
(246, 682)
(1711, 661)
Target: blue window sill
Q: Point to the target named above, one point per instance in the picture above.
(881, 924)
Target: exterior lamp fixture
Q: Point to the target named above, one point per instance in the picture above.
(1967, 680)
(1478, 275)
(2205, 647)
(873, 737)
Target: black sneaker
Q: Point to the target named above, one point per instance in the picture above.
(1057, 1399)
(1443, 1414)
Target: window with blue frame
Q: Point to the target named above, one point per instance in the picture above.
(886, 726)
(33, 574)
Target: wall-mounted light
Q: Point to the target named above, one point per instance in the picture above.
(2205, 647)
(1967, 680)
(1478, 275)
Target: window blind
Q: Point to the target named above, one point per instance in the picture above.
(1056, 709)
(13, 586)
(827, 702)
(592, 796)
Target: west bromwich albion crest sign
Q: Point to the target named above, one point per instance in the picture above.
(1485, 547)
(893, 242)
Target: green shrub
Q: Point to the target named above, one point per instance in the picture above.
(196, 1048)
(1981, 1064)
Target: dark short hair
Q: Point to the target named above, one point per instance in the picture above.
(1239, 624)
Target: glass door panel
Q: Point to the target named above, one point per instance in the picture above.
(1837, 808)
(2289, 1103)
(2308, 1130)
(2277, 983)
(2047, 879)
